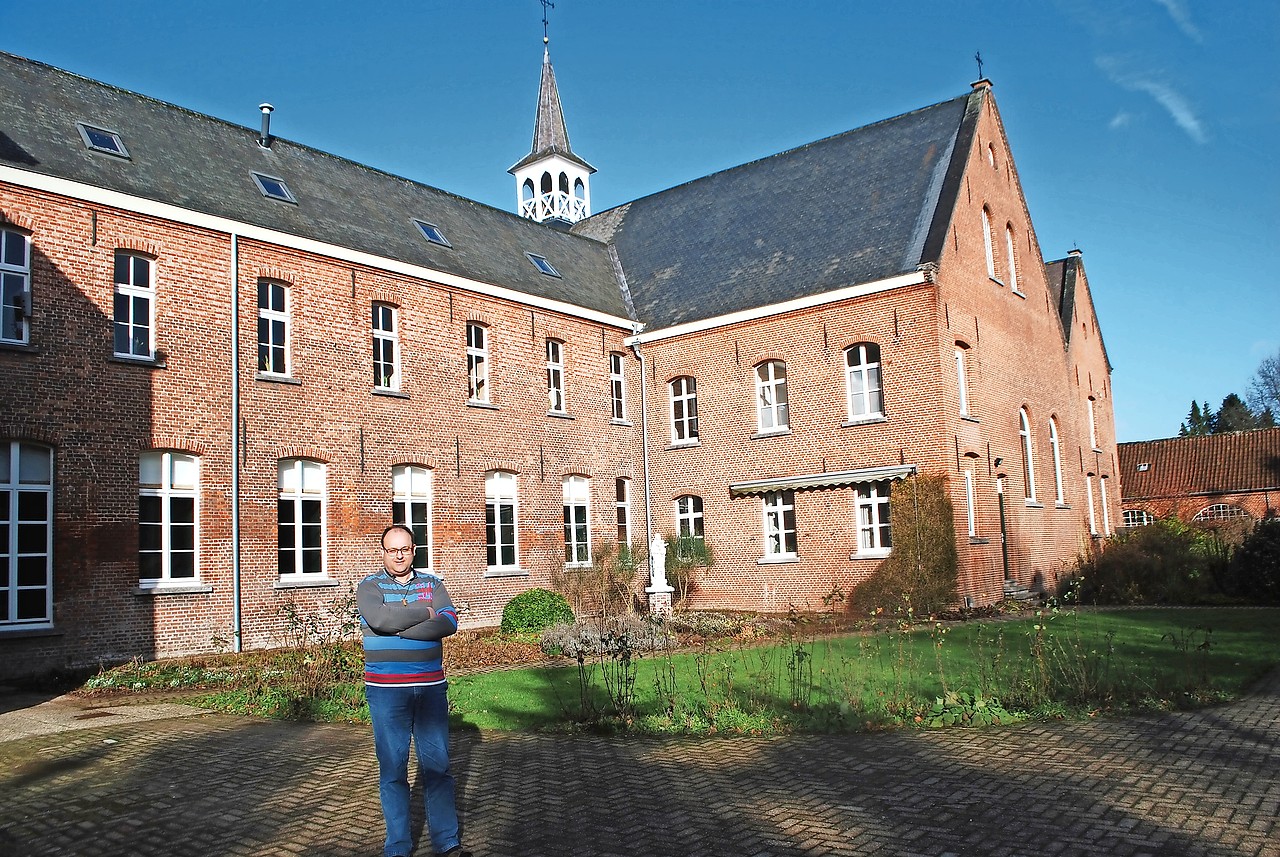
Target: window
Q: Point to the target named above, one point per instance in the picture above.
(872, 501)
(386, 348)
(15, 286)
(684, 410)
(555, 376)
(689, 516)
(135, 306)
(577, 537)
(541, 263)
(273, 328)
(991, 155)
(411, 506)
(988, 244)
(771, 396)
(300, 517)
(622, 504)
(1012, 271)
(1055, 445)
(1028, 463)
(1220, 512)
(1093, 517)
(1093, 422)
(500, 520)
(26, 534)
(970, 504)
(617, 388)
(168, 517)
(273, 188)
(102, 140)
(962, 381)
(1106, 516)
(432, 233)
(863, 391)
(477, 363)
(1136, 518)
(780, 525)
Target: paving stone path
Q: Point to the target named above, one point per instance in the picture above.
(1202, 783)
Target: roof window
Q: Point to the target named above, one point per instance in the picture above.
(102, 140)
(1144, 467)
(273, 188)
(432, 233)
(541, 263)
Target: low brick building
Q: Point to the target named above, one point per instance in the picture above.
(229, 359)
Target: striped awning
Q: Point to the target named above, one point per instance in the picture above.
(828, 479)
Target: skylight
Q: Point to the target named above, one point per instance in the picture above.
(102, 140)
(1144, 467)
(541, 263)
(273, 188)
(432, 233)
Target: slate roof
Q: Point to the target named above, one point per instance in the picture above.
(857, 207)
(203, 164)
(550, 134)
(1209, 464)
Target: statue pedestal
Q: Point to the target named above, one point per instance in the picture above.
(659, 600)
(658, 590)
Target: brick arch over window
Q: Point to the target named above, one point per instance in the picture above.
(310, 453)
(173, 443)
(280, 275)
(17, 219)
(135, 245)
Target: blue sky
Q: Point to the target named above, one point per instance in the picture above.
(1145, 131)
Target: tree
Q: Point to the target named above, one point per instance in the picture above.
(1199, 421)
(1264, 390)
(1234, 415)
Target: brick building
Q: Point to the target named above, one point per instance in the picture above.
(229, 359)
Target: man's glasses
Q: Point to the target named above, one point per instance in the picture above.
(399, 551)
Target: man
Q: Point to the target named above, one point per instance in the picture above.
(404, 614)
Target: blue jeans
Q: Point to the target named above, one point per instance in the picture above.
(399, 713)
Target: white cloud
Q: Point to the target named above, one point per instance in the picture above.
(1178, 12)
(1120, 120)
(1164, 94)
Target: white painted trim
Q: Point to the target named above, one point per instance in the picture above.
(915, 278)
(138, 205)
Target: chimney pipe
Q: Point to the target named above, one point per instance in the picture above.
(265, 139)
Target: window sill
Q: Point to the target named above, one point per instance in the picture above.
(774, 433)
(1033, 504)
(863, 421)
(486, 406)
(878, 553)
(297, 581)
(577, 566)
(148, 362)
(505, 572)
(277, 379)
(626, 423)
(561, 415)
(1097, 451)
(1061, 506)
(999, 283)
(977, 540)
(390, 394)
(30, 631)
(685, 444)
(970, 419)
(1017, 293)
(173, 589)
(20, 347)
(782, 559)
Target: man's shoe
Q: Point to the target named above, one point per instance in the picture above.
(455, 851)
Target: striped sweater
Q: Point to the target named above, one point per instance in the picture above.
(403, 624)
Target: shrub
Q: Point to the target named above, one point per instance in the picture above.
(606, 586)
(1165, 562)
(1256, 564)
(629, 632)
(533, 610)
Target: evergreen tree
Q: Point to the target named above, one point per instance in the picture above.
(1199, 421)
(1234, 415)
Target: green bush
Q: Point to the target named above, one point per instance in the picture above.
(1256, 564)
(1165, 562)
(534, 610)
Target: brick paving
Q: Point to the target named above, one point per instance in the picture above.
(1201, 783)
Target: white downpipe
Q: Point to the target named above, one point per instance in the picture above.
(237, 634)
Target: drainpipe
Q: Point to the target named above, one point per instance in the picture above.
(237, 631)
(644, 443)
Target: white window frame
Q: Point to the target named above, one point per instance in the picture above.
(779, 519)
(1093, 423)
(772, 411)
(962, 380)
(1136, 518)
(617, 387)
(1012, 272)
(132, 292)
(622, 509)
(301, 481)
(500, 494)
(15, 286)
(477, 362)
(1055, 446)
(32, 473)
(412, 493)
(275, 320)
(875, 532)
(970, 503)
(988, 243)
(1106, 515)
(1088, 490)
(689, 516)
(577, 521)
(1220, 512)
(1028, 455)
(860, 394)
(684, 410)
(555, 377)
(386, 346)
(168, 465)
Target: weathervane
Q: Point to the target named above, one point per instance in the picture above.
(977, 56)
(545, 5)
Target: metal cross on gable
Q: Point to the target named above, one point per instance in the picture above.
(977, 56)
(546, 4)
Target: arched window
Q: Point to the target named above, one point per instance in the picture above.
(577, 535)
(500, 520)
(1220, 512)
(991, 156)
(555, 376)
(988, 244)
(411, 506)
(684, 410)
(564, 183)
(689, 516)
(527, 190)
(477, 363)
(1028, 462)
(548, 184)
(1011, 272)
(771, 396)
(579, 189)
(301, 517)
(864, 393)
(168, 517)
(962, 378)
(26, 503)
(1055, 444)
